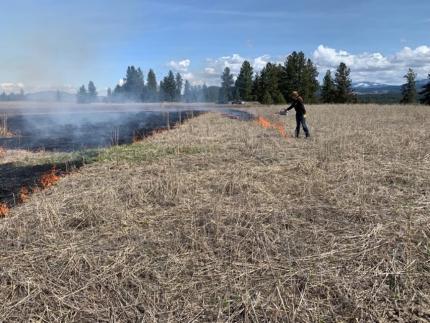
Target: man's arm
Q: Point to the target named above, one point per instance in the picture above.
(291, 106)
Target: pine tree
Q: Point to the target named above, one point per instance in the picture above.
(425, 93)
(299, 74)
(179, 84)
(151, 87)
(257, 88)
(344, 92)
(244, 82)
(328, 89)
(409, 89)
(92, 92)
(82, 96)
(169, 88)
(187, 92)
(267, 98)
(269, 85)
(133, 84)
(205, 91)
(226, 91)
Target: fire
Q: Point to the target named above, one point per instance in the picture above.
(50, 178)
(4, 210)
(266, 124)
(24, 194)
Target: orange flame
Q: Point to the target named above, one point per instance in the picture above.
(24, 194)
(50, 178)
(266, 124)
(4, 210)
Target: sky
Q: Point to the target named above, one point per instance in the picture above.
(58, 44)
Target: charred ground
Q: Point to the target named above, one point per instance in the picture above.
(221, 220)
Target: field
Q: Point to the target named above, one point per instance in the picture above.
(221, 220)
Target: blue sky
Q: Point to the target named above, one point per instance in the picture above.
(62, 44)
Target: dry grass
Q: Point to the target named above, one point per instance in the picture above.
(4, 131)
(251, 228)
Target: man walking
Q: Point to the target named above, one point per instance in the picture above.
(300, 113)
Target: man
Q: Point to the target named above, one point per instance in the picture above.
(300, 113)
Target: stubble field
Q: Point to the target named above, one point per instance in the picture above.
(225, 221)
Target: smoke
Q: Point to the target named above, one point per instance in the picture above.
(77, 127)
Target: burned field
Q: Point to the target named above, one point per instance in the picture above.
(76, 131)
(81, 131)
(221, 220)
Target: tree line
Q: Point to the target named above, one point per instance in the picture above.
(133, 88)
(410, 94)
(12, 96)
(274, 84)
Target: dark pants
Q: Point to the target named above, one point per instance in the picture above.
(301, 120)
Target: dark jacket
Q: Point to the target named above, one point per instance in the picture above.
(298, 106)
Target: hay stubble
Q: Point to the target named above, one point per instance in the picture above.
(254, 228)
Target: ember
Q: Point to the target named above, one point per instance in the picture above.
(49, 179)
(24, 194)
(4, 210)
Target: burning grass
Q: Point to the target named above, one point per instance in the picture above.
(227, 221)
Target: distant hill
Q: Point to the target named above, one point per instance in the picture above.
(50, 96)
(363, 88)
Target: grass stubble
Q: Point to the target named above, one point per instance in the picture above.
(228, 222)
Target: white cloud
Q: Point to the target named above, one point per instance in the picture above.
(260, 62)
(9, 87)
(210, 71)
(180, 66)
(376, 67)
(215, 67)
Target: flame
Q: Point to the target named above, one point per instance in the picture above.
(24, 194)
(46, 180)
(50, 178)
(266, 124)
(4, 210)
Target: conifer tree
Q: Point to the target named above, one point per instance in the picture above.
(299, 74)
(226, 91)
(187, 92)
(169, 87)
(269, 85)
(92, 92)
(328, 89)
(244, 82)
(409, 89)
(205, 91)
(179, 85)
(151, 87)
(82, 96)
(133, 84)
(425, 93)
(344, 92)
